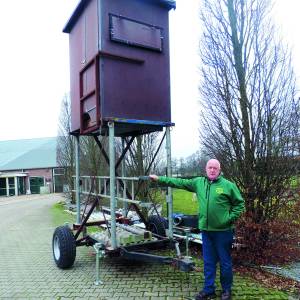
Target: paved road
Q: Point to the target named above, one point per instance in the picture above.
(27, 270)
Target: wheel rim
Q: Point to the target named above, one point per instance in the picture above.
(56, 248)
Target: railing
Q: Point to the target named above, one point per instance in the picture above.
(100, 186)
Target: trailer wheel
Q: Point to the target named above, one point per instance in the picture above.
(157, 225)
(63, 247)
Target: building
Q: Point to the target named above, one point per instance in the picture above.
(29, 167)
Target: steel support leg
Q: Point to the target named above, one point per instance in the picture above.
(112, 175)
(99, 254)
(77, 180)
(123, 174)
(169, 174)
(187, 239)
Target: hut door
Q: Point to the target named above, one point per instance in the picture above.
(89, 96)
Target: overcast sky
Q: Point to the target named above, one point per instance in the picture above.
(34, 73)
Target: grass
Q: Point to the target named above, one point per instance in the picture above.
(183, 202)
(60, 216)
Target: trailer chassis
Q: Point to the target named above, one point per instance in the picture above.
(64, 254)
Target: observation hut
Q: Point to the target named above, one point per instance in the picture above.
(120, 88)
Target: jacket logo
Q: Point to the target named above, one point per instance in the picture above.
(219, 190)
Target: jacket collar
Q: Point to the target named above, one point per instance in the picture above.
(214, 181)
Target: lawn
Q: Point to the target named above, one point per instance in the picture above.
(185, 202)
(60, 216)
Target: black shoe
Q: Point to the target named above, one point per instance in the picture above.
(226, 295)
(205, 296)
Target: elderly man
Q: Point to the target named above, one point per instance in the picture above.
(220, 205)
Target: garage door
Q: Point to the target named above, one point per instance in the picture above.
(35, 184)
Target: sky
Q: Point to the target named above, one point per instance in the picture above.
(34, 72)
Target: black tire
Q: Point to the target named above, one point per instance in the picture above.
(158, 225)
(63, 247)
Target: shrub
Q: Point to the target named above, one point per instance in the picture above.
(270, 242)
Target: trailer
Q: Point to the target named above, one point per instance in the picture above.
(123, 230)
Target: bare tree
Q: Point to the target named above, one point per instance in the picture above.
(190, 166)
(195, 164)
(65, 142)
(144, 155)
(249, 113)
(92, 161)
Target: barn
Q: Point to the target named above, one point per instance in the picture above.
(28, 166)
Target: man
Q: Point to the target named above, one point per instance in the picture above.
(220, 205)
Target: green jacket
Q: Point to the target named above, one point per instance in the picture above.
(220, 202)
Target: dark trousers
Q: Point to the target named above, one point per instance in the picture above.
(216, 247)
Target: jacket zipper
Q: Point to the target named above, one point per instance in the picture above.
(207, 205)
